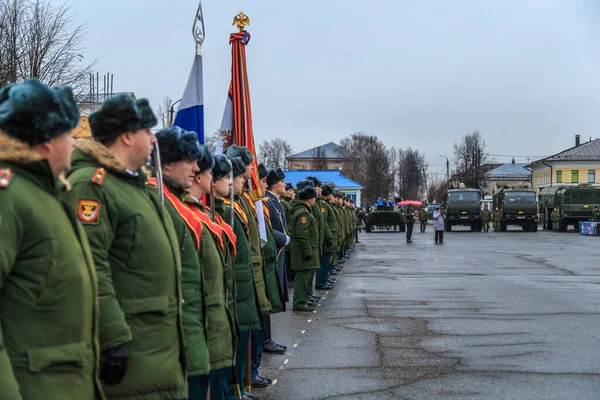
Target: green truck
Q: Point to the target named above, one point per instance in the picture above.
(462, 208)
(518, 206)
(574, 204)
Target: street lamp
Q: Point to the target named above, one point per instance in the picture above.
(447, 168)
(172, 112)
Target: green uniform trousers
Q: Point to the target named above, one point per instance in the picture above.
(486, 226)
(423, 226)
(303, 286)
(496, 226)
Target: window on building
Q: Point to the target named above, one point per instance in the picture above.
(559, 176)
(575, 176)
(591, 176)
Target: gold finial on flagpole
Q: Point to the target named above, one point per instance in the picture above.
(241, 20)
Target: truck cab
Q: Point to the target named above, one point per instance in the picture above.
(462, 208)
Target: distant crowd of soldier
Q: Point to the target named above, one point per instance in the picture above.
(122, 283)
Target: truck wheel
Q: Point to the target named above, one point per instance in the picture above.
(502, 226)
(562, 226)
(402, 228)
(448, 227)
(534, 227)
(369, 228)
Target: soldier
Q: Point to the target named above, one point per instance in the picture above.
(332, 244)
(555, 217)
(496, 217)
(304, 246)
(49, 303)
(286, 201)
(423, 219)
(136, 255)
(486, 216)
(596, 214)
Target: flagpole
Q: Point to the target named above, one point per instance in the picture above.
(198, 29)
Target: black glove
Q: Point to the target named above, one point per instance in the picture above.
(328, 242)
(113, 365)
(309, 257)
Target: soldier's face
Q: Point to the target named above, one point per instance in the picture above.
(203, 182)
(248, 174)
(222, 187)
(263, 185)
(182, 172)
(238, 184)
(58, 153)
(291, 193)
(140, 143)
(312, 201)
(279, 188)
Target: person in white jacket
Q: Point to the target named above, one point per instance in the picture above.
(439, 217)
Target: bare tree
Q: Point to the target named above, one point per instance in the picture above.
(436, 186)
(411, 174)
(164, 112)
(274, 153)
(469, 159)
(393, 157)
(319, 161)
(211, 141)
(39, 40)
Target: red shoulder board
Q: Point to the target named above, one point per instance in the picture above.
(6, 176)
(98, 176)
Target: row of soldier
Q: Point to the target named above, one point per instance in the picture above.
(105, 293)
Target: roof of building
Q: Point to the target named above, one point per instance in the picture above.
(510, 170)
(329, 150)
(325, 176)
(589, 151)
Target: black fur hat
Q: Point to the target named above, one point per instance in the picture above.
(241, 152)
(207, 161)
(222, 167)
(307, 193)
(289, 186)
(275, 175)
(33, 113)
(262, 171)
(303, 183)
(120, 114)
(316, 181)
(239, 168)
(176, 144)
(327, 190)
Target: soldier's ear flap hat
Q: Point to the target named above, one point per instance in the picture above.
(120, 114)
(317, 182)
(239, 168)
(303, 183)
(276, 175)
(222, 167)
(241, 152)
(262, 171)
(176, 144)
(289, 186)
(33, 113)
(307, 192)
(207, 161)
(327, 190)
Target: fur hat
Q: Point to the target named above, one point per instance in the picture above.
(176, 144)
(239, 168)
(241, 152)
(327, 190)
(307, 193)
(262, 171)
(33, 113)
(289, 186)
(207, 161)
(317, 182)
(222, 167)
(303, 183)
(275, 175)
(120, 114)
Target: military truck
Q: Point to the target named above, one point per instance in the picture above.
(462, 208)
(518, 206)
(574, 204)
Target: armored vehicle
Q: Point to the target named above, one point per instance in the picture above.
(462, 208)
(518, 206)
(574, 204)
(385, 218)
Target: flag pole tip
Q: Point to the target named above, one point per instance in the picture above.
(241, 20)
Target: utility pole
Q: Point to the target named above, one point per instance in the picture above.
(447, 168)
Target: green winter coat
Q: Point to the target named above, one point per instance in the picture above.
(248, 313)
(496, 217)
(324, 230)
(256, 247)
(304, 238)
(137, 259)
(221, 330)
(49, 346)
(194, 318)
(486, 216)
(341, 225)
(332, 225)
(270, 262)
(422, 215)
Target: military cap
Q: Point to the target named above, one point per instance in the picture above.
(289, 186)
(120, 114)
(262, 171)
(239, 168)
(275, 175)
(307, 192)
(33, 113)
(303, 183)
(327, 190)
(176, 144)
(222, 167)
(207, 161)
(242, 152)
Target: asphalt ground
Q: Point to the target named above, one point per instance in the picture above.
(508, 315)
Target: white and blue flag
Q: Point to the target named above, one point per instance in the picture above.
(190, 115)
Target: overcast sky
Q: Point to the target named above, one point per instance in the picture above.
(421, 73)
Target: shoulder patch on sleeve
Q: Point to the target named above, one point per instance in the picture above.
(88, 211)
(6, 176)
(303, 220)
(98, 177)
(323, 210)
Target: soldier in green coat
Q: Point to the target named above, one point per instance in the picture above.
(331, 244)
(304, 246)
(596, 214)
(555, 217)
(179, 153)
(486, 216)
(136, 255)
(49, 305)
(423, 219)
(286, 202)
(497, 218)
